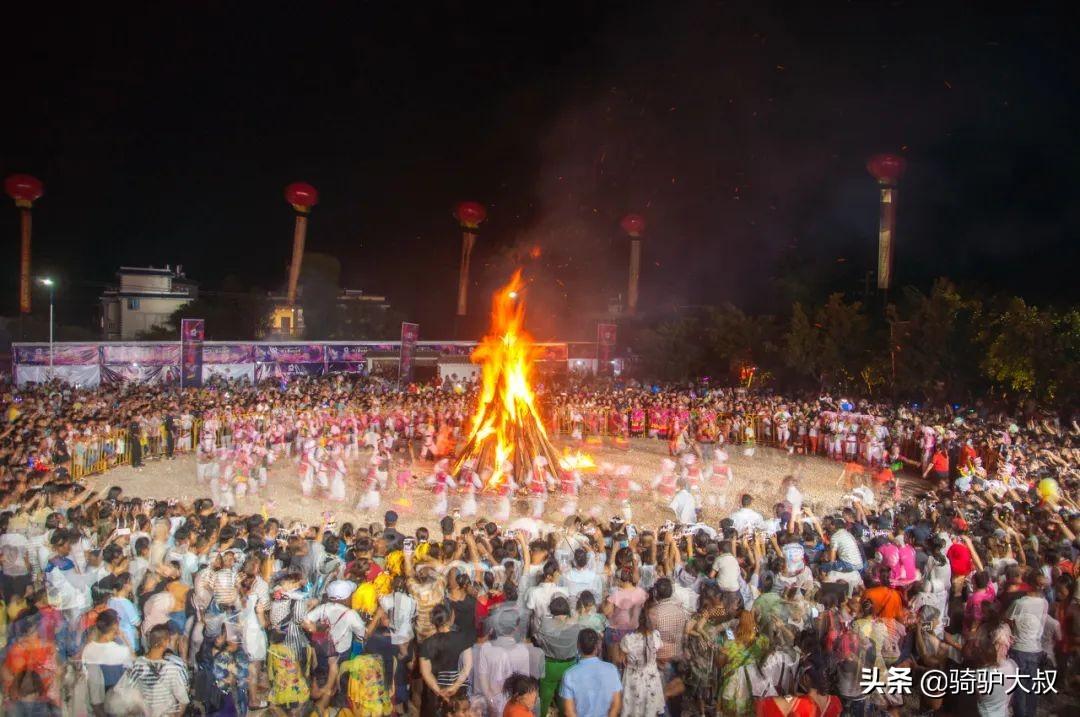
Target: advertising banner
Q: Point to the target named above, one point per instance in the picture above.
(62, 355)
(410, 333)
(78, 376)
(141, 374)
(550, 352)
(289, 353)
(347, 352)
(228, 371)
(446, 349)
(346, 367)
(264, 371)
(228, 353)
(141, 354)
(192, 334)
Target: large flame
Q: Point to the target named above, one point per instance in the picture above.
(507, 433)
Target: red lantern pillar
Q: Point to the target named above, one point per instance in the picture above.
(886, 169)
(469, 215)
(302, 197)
(634, 226)
(25, 190)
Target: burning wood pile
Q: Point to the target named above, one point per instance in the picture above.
(507, 439)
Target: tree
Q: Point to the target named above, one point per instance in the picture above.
(672, 351)
(833, 349)
(931, 336)
(1033, 352)
(320, 277)
(802, 345)
(365, 321)
(231, 315)
(733, 338)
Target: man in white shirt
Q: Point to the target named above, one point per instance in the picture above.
(726, 567)
(1028, 618)
(746, 519)
(499, 657)
(539, 598)
(104, 658)
(345, 623)
(580, 577)
(684, 504)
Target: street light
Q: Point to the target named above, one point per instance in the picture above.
(48, 282)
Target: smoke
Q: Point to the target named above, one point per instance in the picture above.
(740, 134)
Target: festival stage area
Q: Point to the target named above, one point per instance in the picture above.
(759, 475)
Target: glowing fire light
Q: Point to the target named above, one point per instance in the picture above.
(507, 434)
(577, 461)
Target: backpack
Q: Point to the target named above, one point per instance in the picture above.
(320, 636)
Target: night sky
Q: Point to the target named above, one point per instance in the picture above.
(740, 130)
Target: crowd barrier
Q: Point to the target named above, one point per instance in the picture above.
(98, 454)
(606, 423)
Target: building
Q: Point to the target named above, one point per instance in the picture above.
(288, 322)
(144, 298)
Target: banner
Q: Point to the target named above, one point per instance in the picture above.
(346, 367)
(228, 353)
(141, 354)
(62, 355)
(454, 349)
(550, 352)
(228, 371)
(289, 353)
(192, 334)
(605, 346)
(347, 352)
(78, 376)
(264, 371)
(410, 333)
(141, 374)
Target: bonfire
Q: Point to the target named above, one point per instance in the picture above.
(507, 434)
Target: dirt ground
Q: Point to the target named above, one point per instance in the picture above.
(759, 474)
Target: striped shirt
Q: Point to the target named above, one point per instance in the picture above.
(162, 683)
(224, 586)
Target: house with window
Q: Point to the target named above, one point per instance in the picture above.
(144, 297)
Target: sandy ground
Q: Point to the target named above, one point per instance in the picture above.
(759, 474)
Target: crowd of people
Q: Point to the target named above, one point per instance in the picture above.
(956, 598)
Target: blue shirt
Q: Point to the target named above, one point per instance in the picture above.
(129, 620)
(591, 684)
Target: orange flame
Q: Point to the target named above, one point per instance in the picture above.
(506, 412)
(577, 460)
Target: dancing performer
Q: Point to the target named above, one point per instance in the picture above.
(538, 487)
(664, 482)
(504, 491)
(338, 471)
(226, 499)
(470, 483)
(369, 496)
(441, 482)
(570, 487)
(241, 472)
(722, 474)
(403, 476)
(306, 469)
(428, 451)
(204, 457)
